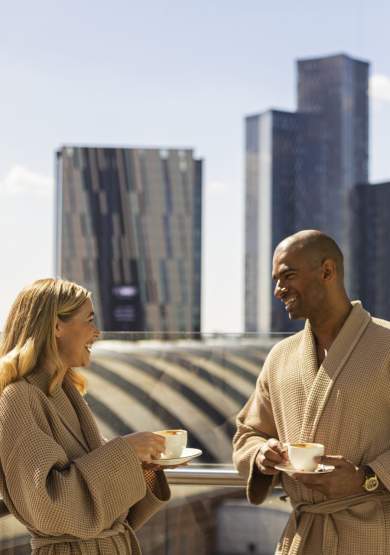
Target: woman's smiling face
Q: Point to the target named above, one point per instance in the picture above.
(76, 335)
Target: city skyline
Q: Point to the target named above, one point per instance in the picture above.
(143, 76)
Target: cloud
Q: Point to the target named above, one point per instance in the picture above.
(20, 180)
(380, 87)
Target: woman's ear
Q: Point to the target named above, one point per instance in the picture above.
(58, 328)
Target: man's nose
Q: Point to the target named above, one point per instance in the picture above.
(279, 290)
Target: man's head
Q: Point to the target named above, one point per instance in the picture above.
(308, 272)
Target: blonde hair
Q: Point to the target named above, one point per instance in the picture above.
(29, 337)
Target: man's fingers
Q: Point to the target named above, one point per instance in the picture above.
(270, 454)
(269, 470)
(312, 484)
(276, 446)
(272, 457)
(273, 451)
(267, 464)
(335, 460)
(309, 480)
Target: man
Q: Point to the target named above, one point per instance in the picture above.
(330, 384)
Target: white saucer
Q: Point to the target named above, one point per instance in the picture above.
(289, 469)
(187, 454)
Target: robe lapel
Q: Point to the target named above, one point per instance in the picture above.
(308, 368)
(90, 437)
(322, 384)
(88, 424)
(66, 418)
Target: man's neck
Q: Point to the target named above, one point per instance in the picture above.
(326, 328)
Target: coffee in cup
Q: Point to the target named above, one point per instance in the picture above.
(175, 442)
(302, 455)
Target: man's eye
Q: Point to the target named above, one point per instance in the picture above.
(289, 276)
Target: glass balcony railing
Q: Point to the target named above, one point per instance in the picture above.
(139, 382)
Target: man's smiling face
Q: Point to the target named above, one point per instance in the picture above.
(298, 282)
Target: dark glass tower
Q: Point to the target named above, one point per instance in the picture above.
(129, 228)
(300, 170)
(370, 252)
(336, 89)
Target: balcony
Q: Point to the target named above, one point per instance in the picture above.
(144, 382)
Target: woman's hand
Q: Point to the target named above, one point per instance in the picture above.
(147, 445)
(155, 466)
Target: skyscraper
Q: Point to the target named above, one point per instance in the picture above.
(129, 229)
(370, 247)
(271, 143)
(300, 169)
(336, 89)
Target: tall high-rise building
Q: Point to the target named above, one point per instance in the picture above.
(300, 169)
(271, 142)
(336, 89)
(370, 253)
(129, 228)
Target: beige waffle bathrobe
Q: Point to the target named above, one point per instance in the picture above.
(74, 492)
(345, 404)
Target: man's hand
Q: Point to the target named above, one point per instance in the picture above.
(270, 454)
(346, 479)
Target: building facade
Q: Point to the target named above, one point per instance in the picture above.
(129, 228)
(370, 253)
(300, 169)
(336, 89)
(271, 142)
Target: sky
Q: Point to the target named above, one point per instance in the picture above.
(166, 74)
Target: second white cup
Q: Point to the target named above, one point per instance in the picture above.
(302, 455)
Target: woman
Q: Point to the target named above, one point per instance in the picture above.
(74, 492)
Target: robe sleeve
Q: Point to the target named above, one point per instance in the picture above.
(54, 496)
(381, 464)
(157, 493)
(255, 424)
(381, 467)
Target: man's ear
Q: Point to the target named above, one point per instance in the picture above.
(328, 269)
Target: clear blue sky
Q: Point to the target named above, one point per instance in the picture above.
(162, 74)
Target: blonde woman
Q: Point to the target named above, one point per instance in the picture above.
(74, 492)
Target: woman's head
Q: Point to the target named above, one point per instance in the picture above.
(50, 324)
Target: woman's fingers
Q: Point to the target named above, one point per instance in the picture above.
(147, 445)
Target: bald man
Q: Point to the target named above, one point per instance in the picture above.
(329, 384)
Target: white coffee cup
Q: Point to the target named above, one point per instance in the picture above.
(302, 455)
(175, 442)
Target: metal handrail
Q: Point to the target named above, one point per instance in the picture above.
(203, 475)
(206, 475)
